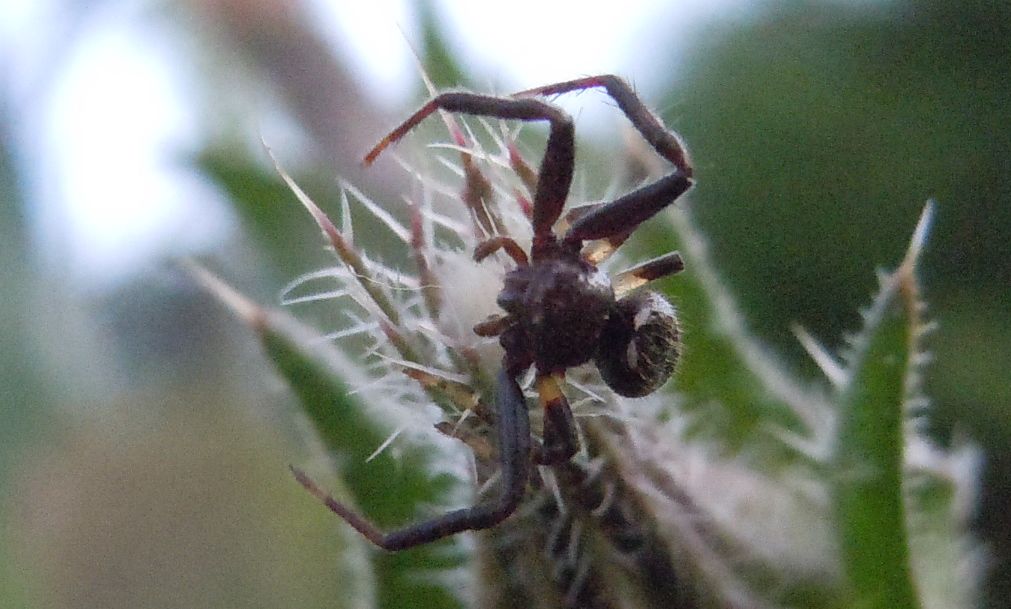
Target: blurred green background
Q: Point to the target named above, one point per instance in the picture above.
(143, 449)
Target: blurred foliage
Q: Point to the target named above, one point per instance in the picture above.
(23, 394)
(719, 380)
(258, 194)
(821, 129)
(173, 507)
(818, 130)
(438, 59)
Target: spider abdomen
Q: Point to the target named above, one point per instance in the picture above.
(640, 344)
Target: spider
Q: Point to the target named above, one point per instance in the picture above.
(561, 310)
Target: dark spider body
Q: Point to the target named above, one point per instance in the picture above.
(560, 304)
(561, 309)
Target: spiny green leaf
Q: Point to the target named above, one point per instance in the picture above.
(871, 439)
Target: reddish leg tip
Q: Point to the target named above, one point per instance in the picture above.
(371, 157)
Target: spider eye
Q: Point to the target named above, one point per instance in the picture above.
(640, 344)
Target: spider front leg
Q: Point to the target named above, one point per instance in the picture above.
(625, 214)
(664, 141)
(559, 154)
(513, 426)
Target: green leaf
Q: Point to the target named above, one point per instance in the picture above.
(259, 196)
(871, 439)
(385, 489)
(438, 59)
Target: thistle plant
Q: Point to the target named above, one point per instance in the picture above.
(735, 485)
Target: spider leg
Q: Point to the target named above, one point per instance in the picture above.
(559, 154)
(513, 426)
(493, 325)
(598, 251)
(664, 141)
(644, 272)
(626, 213)
(561, 439)
(490, 246)
(622, 216)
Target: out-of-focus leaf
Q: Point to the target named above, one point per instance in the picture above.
(24, 397)
(733, 383)
(817, 127)
(438, 60)
(943, 555)
(260, 198)
(871, 441)
(189, 507)
(386, 489)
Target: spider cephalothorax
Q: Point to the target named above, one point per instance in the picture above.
(558, 306)
(561, 310)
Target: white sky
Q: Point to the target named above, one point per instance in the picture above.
(111, 189)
